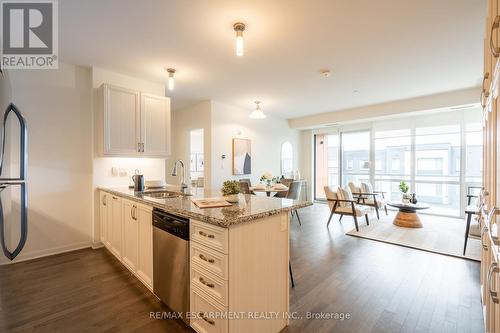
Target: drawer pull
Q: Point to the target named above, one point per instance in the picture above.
(202, 316)
(204, 234)
(495, 51)
(209, 285)
(493, 293)
(202, 257)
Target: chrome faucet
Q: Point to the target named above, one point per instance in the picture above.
(183, 175)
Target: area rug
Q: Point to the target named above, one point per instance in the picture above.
(442, 235)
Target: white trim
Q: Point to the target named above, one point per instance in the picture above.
(25, 256)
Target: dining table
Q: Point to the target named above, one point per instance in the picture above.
(269, 189)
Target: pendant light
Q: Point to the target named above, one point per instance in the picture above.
(257, 113)
(170, 80)
(239, 28)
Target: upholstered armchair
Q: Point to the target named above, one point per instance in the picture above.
(342, 202)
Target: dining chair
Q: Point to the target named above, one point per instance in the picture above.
(294, 194)
(286, 182)
(249, 183)
(244, 188)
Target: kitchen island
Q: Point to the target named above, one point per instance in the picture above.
(238, 255)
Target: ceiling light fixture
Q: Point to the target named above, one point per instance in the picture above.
(170, 82)
(257, 113)
(239, 28)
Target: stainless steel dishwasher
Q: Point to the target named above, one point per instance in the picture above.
(171, 261)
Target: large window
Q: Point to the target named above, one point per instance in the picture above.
(355, 157)
(393, 154)
(439, 156)
(437, 173)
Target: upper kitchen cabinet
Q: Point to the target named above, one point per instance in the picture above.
(155, 125)
(131, 123)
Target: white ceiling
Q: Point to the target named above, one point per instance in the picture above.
(387, 49)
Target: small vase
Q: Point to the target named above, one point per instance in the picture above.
(405, 198)
(232, 198)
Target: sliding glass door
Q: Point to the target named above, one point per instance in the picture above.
(326, 148)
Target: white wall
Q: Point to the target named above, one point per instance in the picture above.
(56, 104)
(198, 116)
(267, 136)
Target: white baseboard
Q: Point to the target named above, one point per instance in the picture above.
(24, 256)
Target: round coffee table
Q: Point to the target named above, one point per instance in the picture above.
(407, 216)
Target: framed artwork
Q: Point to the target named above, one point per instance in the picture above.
(242, 156)
(200, 162)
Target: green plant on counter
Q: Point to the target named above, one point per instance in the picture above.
(403, 187)
(230, 187)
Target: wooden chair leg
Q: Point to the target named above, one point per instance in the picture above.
(467, 227)
(341, 216)
(298, 218)
(356, 222)
(376, 210)
(385, 207)
(366, 218)
(330, 218)
(291, 274)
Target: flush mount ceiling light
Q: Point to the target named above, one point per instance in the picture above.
(170, 80)
(257, 113)
(239, 28)
(325, 72)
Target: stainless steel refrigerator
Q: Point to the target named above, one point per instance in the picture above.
(13, 167)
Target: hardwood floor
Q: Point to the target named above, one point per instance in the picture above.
(383, 288)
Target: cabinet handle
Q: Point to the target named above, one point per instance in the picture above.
(132, 212)
(139, 147)
(104, 200)
(493, 293)
(209, 285)
(483, 236)
(202, 257)
(204, 234)
(495, 51)
(142, 145)
(484, 94)
(202, 316)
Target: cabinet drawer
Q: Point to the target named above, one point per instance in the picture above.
(207, 317)
(209, 235)
(208, 259)
(209, 284)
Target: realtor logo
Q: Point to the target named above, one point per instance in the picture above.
(29, 34)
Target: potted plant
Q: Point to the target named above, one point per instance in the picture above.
(403, 187)
(230, 190)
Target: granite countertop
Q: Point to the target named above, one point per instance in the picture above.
(249, 208)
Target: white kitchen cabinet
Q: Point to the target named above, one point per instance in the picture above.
(103, 216)
(122, 134)
(130, 251)
(116, 226)
(132, 123)
(155, 125)
(145, 256)
(131, 226)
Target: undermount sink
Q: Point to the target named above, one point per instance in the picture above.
(163, 194)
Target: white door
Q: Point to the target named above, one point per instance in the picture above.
(155, 125)
(103, 215)
(130, 234)
(121, 121)
(116, 221)
(145, 263)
